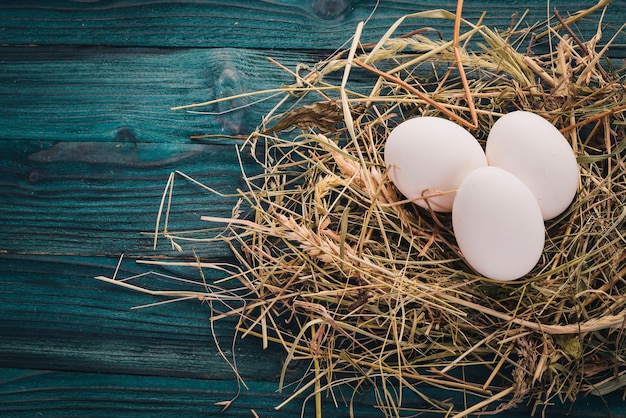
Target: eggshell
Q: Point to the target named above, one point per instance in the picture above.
(428, 154)
(498, 224)
(531, 148)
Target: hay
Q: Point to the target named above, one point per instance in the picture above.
(372, 290)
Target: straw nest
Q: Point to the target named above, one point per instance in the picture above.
(372, 290)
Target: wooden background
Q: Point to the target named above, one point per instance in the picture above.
(87, 141)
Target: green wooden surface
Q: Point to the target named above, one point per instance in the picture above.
(87, 141)
(258, 24)
(95, 198)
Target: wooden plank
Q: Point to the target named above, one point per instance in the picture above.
(104, 94)
(30, 392)
(261, 24)
(24, 393)
(56, 316)
(93, 198)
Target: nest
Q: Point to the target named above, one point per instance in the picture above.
(371, 290)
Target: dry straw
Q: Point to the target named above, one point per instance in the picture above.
(371, 290)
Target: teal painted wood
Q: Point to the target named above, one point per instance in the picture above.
(55, 316)
(260, 24)
(108, 94)
(24, 393)
(97, 198)
(87, 140)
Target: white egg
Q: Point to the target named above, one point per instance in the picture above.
(531, 148)
(498, 224)
(427, 155)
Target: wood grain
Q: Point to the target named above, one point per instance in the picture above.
(24, 393)
(56, 316)
(107, 94)
(259, 24)
(97, 198)
(87, 142)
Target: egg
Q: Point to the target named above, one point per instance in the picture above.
(531, 148)
(498, 224)
(429, 155)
